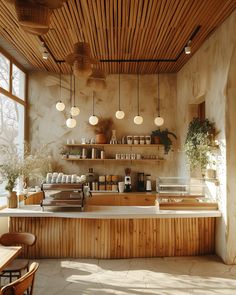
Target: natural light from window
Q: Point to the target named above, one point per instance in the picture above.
(12, 111)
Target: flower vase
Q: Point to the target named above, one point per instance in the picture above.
(12, 200)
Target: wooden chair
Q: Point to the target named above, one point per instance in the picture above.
(19, 286)
(15, 268)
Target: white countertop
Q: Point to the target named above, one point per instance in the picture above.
(107, 212)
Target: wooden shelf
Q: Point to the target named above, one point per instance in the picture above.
(112, 145)
(107, 160)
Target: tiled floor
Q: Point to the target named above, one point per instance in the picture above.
(165, 276)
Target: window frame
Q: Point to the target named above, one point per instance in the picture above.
(9, 94)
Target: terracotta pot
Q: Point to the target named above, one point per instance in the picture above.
(12, 200)
(100, 138)
(156, 139)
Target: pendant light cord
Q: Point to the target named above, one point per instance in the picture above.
(71, 90)
(93, 103)
(60, 78)
(138, 91)
(158, 91)
(74, 89)
(119, 87)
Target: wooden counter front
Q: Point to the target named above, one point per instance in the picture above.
(62, 237)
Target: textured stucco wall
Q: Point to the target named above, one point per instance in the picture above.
(210, 75)
(47, 125)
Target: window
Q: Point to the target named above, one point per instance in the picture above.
(12, 106)
(4, 72)
(18, 82)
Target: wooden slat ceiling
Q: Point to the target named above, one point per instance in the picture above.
(120, 29)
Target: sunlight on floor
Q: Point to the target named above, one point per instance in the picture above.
(166, 276)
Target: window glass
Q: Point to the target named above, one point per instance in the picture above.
(4, 72)
(11, 126)
(18, 82)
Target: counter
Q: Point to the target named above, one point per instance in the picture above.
(116, 232)
(107, 212)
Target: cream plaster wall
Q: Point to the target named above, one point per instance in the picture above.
(210, 75)
(47, 125)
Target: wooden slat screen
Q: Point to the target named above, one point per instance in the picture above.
(120, 29)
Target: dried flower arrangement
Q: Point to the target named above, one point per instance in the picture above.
(103, 130)
(104, 126)
(15, 163)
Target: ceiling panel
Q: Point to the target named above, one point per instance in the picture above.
(120, 30)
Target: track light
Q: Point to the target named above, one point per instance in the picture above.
(45, 55)
(43, 49)
(187, 48)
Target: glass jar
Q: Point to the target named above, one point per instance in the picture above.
(129, 139)
(136, 139)
(142, 139)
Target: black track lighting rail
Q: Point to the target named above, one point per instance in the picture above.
(192, 36)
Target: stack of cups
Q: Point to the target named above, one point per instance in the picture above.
(121, 186)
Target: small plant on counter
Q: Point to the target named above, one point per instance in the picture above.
(198, 143)
(162, 137)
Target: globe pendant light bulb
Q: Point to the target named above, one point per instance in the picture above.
(120, 114)
(93, 120)
(138, 120)
(74, 111)
(159, 121)
(71, 123)
(60, 106)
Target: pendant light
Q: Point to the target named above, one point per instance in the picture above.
(93, 120)
(60, 106)
(71, 122)
(119, 114)
(138, 119)
(159, 121)
(74, 111)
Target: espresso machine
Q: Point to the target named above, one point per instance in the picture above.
(127, 180)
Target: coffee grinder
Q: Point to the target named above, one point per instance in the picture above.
(127, 180)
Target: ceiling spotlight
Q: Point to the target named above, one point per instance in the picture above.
(187, 48)
(45, 55)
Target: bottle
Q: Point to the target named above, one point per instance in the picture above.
(90, 177)
(148, 183)
(113, 137)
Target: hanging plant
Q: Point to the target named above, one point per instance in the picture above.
(198, 143)
(162, 137)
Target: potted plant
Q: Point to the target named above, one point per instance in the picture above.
(162, 137)
(198, 143)
(75, 154)
(14, 166)
(103, 130)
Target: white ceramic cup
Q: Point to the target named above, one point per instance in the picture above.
(121, 186)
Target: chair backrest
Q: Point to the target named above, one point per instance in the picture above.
(19, 286)
(15, 238)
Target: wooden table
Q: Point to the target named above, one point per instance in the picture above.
(7, 254)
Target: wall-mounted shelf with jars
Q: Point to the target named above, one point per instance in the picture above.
(98, 153)
(112, 145)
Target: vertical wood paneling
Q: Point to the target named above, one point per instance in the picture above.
(117, 238)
